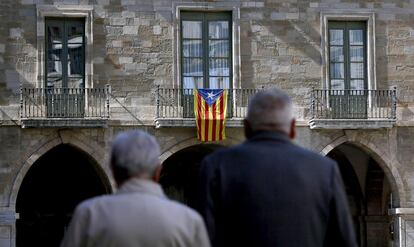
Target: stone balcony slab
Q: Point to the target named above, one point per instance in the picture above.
(351, 123)
(64, 123)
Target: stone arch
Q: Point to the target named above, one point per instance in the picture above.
(192, 142)
(387, 164)
(81, 143)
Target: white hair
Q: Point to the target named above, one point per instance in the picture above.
(270, 107)
(135, 152)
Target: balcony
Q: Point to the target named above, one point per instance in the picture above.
(64, 107)
(353, 109)
(175, 107)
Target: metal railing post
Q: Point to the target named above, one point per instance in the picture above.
(313, 103)
(21, 101)
(394, 103)
(158, 102)
(108, 92)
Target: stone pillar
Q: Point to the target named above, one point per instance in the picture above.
(403, 226)
(7, 228)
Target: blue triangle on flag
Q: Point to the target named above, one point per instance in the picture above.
(210, 95)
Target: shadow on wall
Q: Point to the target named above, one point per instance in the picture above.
(281, 52)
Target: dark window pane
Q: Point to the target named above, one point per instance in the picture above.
(357, 70)
(75, 83)
(336, 37)
(75, 60)
(219, 82)
(55, 32)
(53, 81)
(337, 70)
(193, 67)
(356, 53)
(192, 29)
(75, 33)
(218, 48)
(337, 54)
(54, 55)
(357, 84)
(218, 29)
(356, 37)
(219, 67)
(190, 82)
(192, 48)
(54, 63)
(337, 84)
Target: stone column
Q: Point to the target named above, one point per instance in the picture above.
(403, 226)
(7, 227)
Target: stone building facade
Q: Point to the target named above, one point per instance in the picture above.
(73, 73)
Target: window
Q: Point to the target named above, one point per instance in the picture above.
(347, 56)
(65, 53)
(206, 50)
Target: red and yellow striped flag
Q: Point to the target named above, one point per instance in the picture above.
(210, 108)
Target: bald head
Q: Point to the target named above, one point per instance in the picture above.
(271, 110)
(134, 154)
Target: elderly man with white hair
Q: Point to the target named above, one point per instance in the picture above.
(138, 214)
(269, 191)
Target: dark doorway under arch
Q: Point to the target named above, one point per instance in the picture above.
(369, 195)
(179, 175)
(50, 191)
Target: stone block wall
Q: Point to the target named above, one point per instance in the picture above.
(134, 49)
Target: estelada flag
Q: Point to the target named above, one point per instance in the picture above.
(210, 108)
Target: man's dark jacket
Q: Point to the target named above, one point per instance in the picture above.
(271, 192)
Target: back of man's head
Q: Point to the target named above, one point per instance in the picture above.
(134, 154)
(270, 110)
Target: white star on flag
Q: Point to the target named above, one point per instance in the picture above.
(210, 95)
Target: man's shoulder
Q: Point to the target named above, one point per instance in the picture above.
(177, 208)
(92, 202)
(290, 150)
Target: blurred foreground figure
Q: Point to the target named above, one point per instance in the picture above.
(271, 192)
(138, 214)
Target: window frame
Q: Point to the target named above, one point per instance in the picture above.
(64, 11)
(178, 7)
(369, 18)
(64, 22)
(205, 17)
(347, 26)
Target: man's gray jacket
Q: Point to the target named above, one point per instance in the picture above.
(138, 214)
(271, 192)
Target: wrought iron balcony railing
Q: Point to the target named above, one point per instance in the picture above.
(354, 104)
(41, 103)
(175, 103)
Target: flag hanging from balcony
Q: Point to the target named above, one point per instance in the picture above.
(210, 109)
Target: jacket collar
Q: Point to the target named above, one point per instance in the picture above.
(270, 136)
(136, 185)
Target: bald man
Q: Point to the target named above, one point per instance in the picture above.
(271, 192)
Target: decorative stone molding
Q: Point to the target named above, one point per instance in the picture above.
(384, 159)
(61, 137)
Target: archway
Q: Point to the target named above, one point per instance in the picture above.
(179, 175)
(369, 194)
(51, 189)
